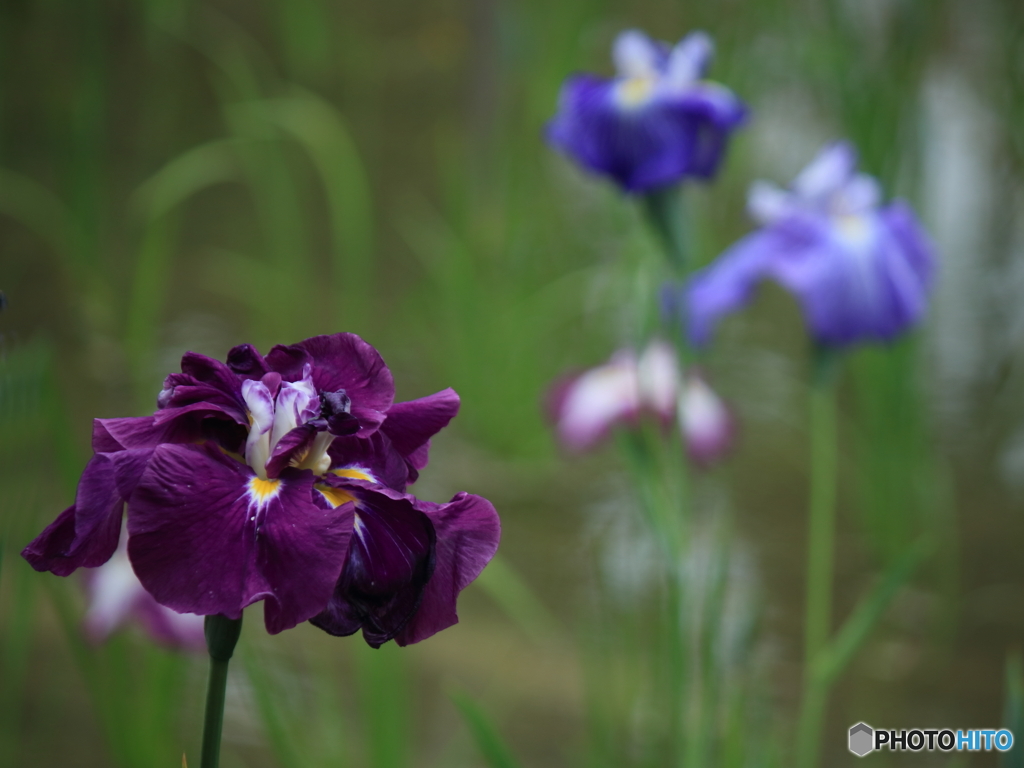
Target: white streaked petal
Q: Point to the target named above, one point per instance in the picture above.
(359, 528)
(860, 195)
(826, 173)
(113, 590)
(658, 378)
(317, 458)
(705, 421)
(635, 54)
(261, 416)
(689, 59)
(597, 399)
(297, 403)
(767, 203)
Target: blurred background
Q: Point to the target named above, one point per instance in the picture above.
(194, 174)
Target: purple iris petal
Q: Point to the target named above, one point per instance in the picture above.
(468, 531)
(188, 424)
(653, 124)
(411, 424)
(389, 563)
(246, 361)
(336, 410)
(375, 454)
(109, 435)
(729, 283)
(207, 536)
(86, 534)
(859, 272)
(202, 380)
(341, 362)
(291, 447)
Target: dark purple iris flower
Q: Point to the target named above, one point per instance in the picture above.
(653, 123)
(281, 478)
(861, 272)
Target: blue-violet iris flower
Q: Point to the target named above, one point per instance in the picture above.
(281, 478)
(656, 121)
(586, 407)
(860, 271)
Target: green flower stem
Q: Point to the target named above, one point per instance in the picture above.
(662, 480)
(660, 477)
(821, 546)
(221, 636)
(664, 209)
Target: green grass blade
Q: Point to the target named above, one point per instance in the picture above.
(493, 748)
(509, 590)
(383, 676)
(837, 655)
(276, 728)
(42, 212)
(322, 132)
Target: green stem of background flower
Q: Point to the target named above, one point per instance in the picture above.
(665, 487)
(664, 209)
(221, 637)
(821, 547)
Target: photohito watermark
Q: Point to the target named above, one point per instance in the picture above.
(865, 739)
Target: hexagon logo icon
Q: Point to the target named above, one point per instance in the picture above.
(862, 739)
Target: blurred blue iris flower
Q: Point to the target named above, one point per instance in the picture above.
(655, 122)
(860, 271)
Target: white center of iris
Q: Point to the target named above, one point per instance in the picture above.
(273, 415)
(634, 92)
(853, 229)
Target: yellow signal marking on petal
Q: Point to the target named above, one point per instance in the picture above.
(854, 228)
(635, 91)
(336, 496)
(264, 490)
(236, 456)
(355, 474)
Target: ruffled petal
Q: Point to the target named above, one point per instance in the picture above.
(374, 454)
(190, 424)
(342, 361)
(468, 532)
(207, 537)
(389, 563)
(203, 380)
(86, 534)
(411, 424)
(246, 361)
